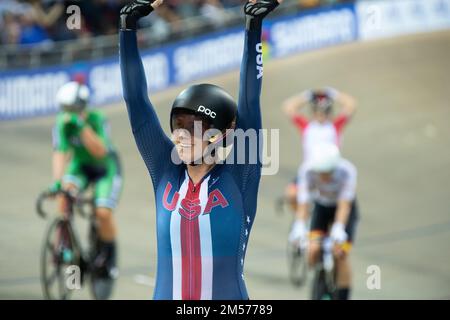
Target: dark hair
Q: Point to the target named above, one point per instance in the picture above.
(322, 102)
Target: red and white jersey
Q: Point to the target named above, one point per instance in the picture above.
(341, 186)
(314, 132)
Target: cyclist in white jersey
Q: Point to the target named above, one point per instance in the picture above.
(329, 182)
(322, 127)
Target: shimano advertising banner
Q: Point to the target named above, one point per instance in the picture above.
(32, 93)
(312, 30)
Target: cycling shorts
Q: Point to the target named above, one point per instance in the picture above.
(323, 217)
(106, 179)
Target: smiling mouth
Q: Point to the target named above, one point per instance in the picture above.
(185, 145)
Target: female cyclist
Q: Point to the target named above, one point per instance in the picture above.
(204, 211)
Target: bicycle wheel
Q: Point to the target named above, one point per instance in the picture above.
(320, 289)
(297, 265)
(59, 251)
(101, 283)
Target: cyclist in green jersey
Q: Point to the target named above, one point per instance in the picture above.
(84, 155)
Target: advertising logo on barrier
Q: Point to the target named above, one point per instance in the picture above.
(312, 31)
(385, 18)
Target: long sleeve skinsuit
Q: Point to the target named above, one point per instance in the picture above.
(202, 229)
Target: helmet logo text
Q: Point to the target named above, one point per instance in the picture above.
(206, 111)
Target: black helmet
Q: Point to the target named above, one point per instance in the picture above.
(321, 101)
(209, 101)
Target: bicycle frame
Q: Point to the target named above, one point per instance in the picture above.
(66, 247)
(324, 284)
(327, 260)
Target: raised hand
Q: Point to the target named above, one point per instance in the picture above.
(256, 10)
(74, 120)
(260, 9)
(132, 12)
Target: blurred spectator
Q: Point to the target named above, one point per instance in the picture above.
(108, 10)
(165, 22)
(40, 21)
(31, 31)
(308, 3)
(213, 11)
(11, 28)
(185, 8)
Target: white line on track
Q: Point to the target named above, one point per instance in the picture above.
(144, 280)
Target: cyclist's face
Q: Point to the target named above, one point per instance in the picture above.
(79, 109)
(325, 177)
(188, 131)
(321, 116)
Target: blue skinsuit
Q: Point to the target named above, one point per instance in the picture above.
(202, 229)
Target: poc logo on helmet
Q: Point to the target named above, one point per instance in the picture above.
(206, 111)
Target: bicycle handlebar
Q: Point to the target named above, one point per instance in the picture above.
(74, 200)
(39, 201)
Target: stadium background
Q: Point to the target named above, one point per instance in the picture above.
(392, 56)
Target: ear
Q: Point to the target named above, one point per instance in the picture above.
(233, 124)
(213, 138)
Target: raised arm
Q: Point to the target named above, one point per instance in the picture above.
(294, 104)
(153, 143)
(134, 84)
(345, 100)
(249, 113)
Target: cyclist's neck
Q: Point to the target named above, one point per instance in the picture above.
(198, 171)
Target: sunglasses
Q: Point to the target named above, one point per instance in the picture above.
(190, 122)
